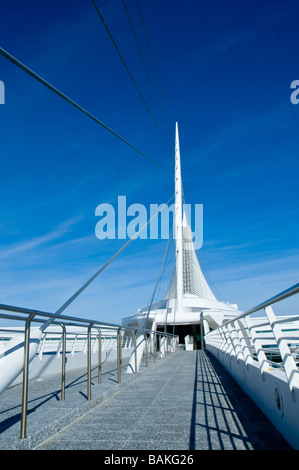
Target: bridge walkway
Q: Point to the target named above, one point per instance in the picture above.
(186, 401)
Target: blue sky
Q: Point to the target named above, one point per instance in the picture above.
(224, 73)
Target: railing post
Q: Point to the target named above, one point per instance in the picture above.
(201, 337)
(119, 358)
(245, 352)
(261, 356)
(287, 359)
(89, 361)
(228, 340)
(161, 346)
(146, 356)
(223, 345)
(63, 361)
(100, 357)
(218, 339)
(25, 377)
(234, 339)
(135, 350)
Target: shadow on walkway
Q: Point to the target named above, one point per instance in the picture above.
(48, 392)
(224, 416)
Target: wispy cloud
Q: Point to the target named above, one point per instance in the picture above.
(18, 248)
(240, 126)
(250, 282)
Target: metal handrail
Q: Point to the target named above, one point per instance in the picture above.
(277, 298)
(234, 347)
(70, 319)
(33, 315)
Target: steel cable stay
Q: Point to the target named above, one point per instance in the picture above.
(144, 61)
(37, 77)
(175, 309)
(129, 72)
(161, 285)
(79, 291)
(163, 279)
(150, 50)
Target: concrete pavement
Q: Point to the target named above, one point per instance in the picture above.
(186, 402)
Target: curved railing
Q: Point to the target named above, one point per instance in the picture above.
(271, 341)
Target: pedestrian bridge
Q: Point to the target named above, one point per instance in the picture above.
(104, 386)
(183, 401)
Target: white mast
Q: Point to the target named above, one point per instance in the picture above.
(178, 224)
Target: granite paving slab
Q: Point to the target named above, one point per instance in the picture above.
(187, 402)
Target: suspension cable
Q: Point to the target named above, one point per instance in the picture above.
(144, 61)
(127, 69)
(79, 291)
(150, 51)
(22, 66)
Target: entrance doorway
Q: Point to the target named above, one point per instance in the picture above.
(194, 330)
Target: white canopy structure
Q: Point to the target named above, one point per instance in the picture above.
(189, 306)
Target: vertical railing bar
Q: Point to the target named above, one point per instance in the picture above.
(223, 340)
(232, 337)
(135, 350)
(160, 345)
(146, 357)
(257, 344)
(89, 361)
(289, 363)
(201, 336)
(100, 356)
(25, 377)
(244, 351)
(63, 362)
(119, 355)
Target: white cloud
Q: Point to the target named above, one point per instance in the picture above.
(18, 248)
(250, 283)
